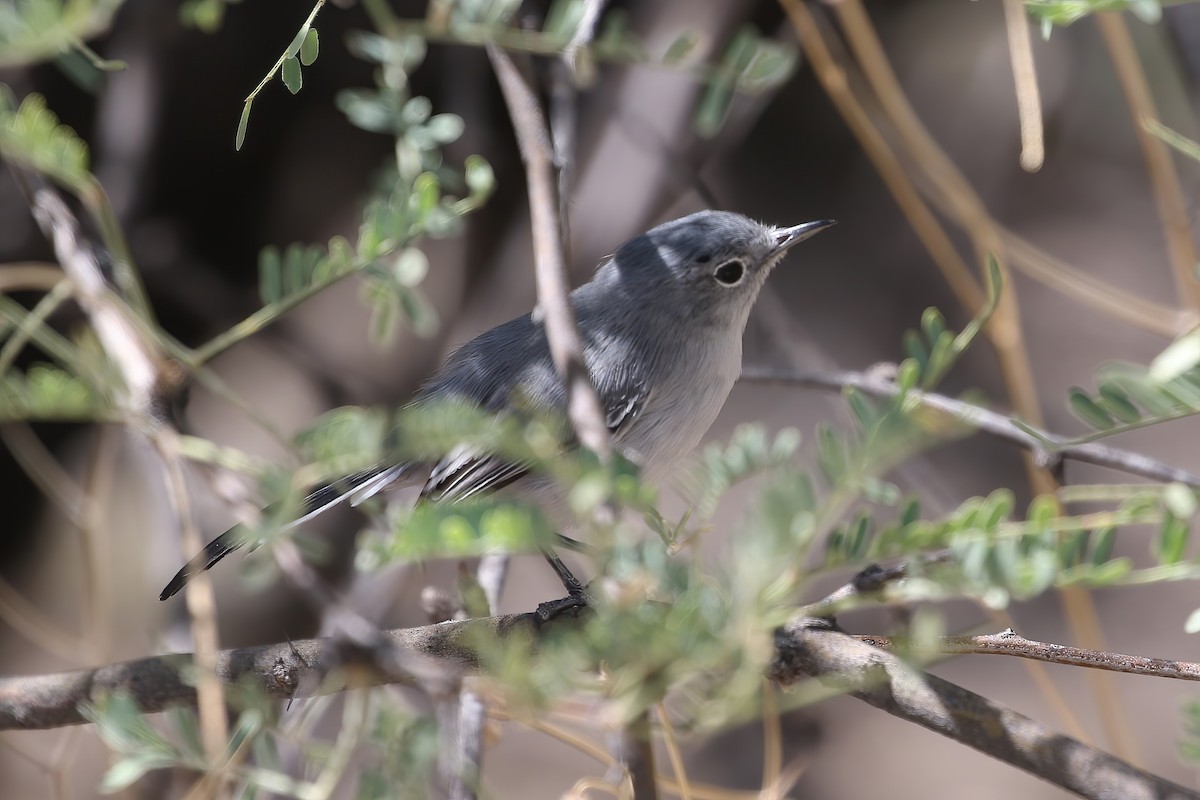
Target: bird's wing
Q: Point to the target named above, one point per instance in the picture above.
(465, 472)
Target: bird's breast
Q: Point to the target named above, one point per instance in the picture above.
(688, 390)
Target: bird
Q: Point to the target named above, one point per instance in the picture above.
(660, 326)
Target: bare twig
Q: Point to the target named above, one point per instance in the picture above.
(1009, 643)
(802, 651)
(925, 225)
(990, 422)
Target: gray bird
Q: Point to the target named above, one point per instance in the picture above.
(661, 326)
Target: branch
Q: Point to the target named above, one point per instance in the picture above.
(802, 651)
(279, 670)
(887, 683)
(990, 422)
(583, 404)
(1009, 643)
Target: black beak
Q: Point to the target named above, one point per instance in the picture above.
(786, 237)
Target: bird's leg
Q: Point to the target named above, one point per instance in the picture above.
(576, 596)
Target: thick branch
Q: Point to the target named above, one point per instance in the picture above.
(887, 683)
(990, 422)
(279, 670)
(803, 651)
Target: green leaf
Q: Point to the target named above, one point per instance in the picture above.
(933, 324)
(127, 771)
(717, 98)
(1089, 410)
(292, 77)
(270, 275)
(480, 178)
(1102, 549)
(1172, 540)
(444, 128)
(243, 121)
(310, 48)
(1180, 500)
(1117, 403)
(1180, 356)
(426, 191)
(32, 135)
(863, 411)
(914, 346)
(831, 454)
(679, 49)
(1042, 510)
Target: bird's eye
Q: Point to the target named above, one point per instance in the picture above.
(730, 273)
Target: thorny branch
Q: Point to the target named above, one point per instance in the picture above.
(803, 650)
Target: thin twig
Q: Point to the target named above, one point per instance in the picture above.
(990, 422)
(566, 75)
(833, 78)
(1004, 329)
(673, 755)
(1029, 101)
(1009, 643)
(1168, 193)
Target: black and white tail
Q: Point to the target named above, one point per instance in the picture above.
(356, 488)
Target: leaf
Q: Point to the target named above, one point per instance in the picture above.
(1117, 403)
(682, 47)
(1105, 538)
(1089, 410)
(292, 77)
(310, 48)
(126, 772)
(32, 135)
(933, 324)
(243, 121)
(1192, 625)
(1172, 540)
(863, 411)
(1180, 356)
(1183, 144)
(444, 128)
(714, 104)
(270, 275)
(1180, 500)
(480, 178)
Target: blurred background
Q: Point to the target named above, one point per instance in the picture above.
(196, 213)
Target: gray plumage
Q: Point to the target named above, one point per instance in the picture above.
(661, 326)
